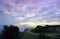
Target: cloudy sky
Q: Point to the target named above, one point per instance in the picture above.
(30, 12)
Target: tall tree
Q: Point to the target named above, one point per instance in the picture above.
(11, 32)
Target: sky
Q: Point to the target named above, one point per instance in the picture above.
(29, 12)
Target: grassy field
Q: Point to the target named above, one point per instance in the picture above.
(30, 35)
(54, 35)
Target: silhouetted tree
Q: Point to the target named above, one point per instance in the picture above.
(50, 28)
(38, 29)
(46, 28)
(11, 32)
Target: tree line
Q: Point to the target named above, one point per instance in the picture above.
(43, 30)
(10, 32)
(46, 29)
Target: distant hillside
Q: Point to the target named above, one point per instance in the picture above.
(1, 27)
(23, 27)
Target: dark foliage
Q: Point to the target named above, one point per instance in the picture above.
(43, 30)
(10, 32)
(38, 29)
(47, 29)
(42, 36)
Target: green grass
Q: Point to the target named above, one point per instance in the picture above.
(53, 35)
(29, 35)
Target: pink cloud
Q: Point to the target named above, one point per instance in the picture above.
(6, 12)
(13, 4)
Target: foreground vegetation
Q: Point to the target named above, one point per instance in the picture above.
(40, 32)
(47, 31)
